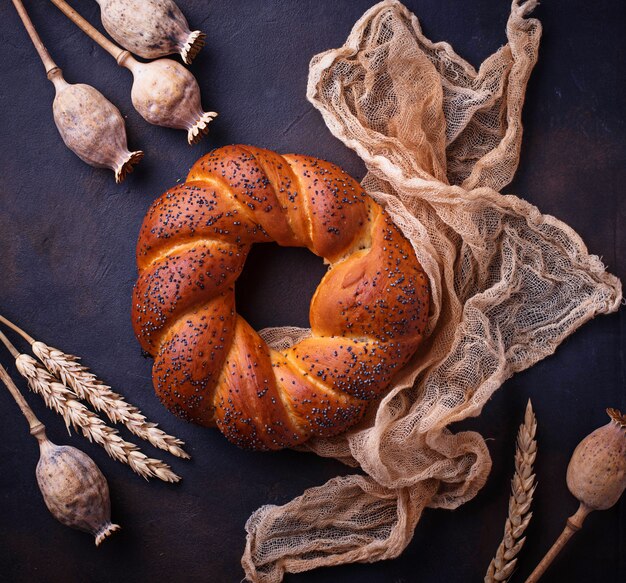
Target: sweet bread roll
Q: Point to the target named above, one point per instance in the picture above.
(367, 316)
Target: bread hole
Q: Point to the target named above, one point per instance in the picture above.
(277, 284)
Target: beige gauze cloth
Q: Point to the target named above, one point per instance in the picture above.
(508, 284)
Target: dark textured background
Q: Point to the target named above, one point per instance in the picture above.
(67, 237)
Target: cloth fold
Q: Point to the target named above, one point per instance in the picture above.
(439, 140)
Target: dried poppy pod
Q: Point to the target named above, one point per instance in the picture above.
(73, 488)
(596, 476)
(90, 125)
(151, 28)
(164, 92)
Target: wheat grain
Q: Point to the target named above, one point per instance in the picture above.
(522, 489)
(64, 401)
(88, 387)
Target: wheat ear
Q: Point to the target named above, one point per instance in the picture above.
(64, 401)
(88, 387)
(522, 489)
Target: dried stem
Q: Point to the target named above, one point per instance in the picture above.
(596, 476)
(109, 46)
(36, 426)
(86, 386)
(17, 329)
(44, 55)
(73, 488)
(573, 525)
(522, 489)
(14, 351)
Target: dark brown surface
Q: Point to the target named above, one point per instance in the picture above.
(67, 238)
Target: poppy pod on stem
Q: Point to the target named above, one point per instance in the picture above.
(164, 93)
(90, 125)
(73, 488)
(596, 476)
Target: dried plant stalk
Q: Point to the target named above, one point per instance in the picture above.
(90, 125)
(88, 387)
(596, 476)
(64, 401)
(522, 489)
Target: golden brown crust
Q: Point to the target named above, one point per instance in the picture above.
(336, 206)
(360, 368)
(189, 211)
(381, 293)
(179, 281)
(244, 180)
(249, 407)
(314, 407)
(191, 357)
(368, 315)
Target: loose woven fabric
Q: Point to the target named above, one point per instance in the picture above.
(508, 284)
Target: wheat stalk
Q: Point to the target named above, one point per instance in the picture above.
(88, 387)
(522, 489)
(63, 400)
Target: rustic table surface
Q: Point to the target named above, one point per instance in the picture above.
(67, 237)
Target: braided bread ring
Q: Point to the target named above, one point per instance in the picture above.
(367, 316)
